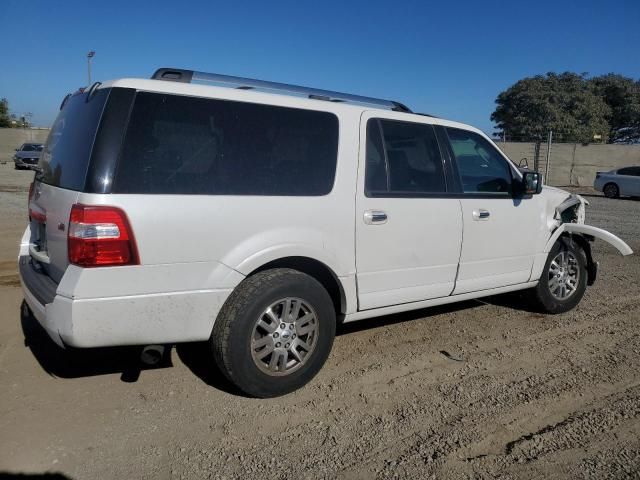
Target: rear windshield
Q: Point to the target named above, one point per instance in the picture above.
(65, 158)
(186, 145)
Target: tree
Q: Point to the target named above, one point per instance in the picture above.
(622, 95)
(564, 103)
(4, 113)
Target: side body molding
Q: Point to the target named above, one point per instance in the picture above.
(608, 237)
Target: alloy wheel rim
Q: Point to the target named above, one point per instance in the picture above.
(284, 336)
(564, 275)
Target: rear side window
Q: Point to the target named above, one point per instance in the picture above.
(482, 169)
(402, 157)
(632, 171)
(186, 145)
(66, 154)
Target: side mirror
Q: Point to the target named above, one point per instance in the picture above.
(524, 164)
(531, 183)
(17, 149)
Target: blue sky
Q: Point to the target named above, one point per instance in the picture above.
(450, 59)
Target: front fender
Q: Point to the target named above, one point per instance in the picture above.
(608, 237)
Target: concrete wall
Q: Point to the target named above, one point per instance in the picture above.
(570, 163)
(573, 163)
(12, 138)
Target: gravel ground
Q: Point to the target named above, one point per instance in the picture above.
(481, 389)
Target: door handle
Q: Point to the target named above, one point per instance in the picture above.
(375, 217)
(481, 214)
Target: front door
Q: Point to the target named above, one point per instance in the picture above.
(500, 232)
(408, 233)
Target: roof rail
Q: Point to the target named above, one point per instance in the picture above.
(190, 76)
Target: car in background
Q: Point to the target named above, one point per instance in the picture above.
(620, 182)
(27, 155)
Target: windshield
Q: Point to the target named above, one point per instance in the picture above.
(65, 158)
(30, 147)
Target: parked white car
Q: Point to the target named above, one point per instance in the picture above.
(621, 182)
(258, 216)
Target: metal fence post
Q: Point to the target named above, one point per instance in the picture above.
(546, 170)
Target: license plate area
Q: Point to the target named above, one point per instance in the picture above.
(41, 237)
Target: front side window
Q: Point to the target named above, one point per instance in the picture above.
(482, 169)
(402, 157)
(186, 145)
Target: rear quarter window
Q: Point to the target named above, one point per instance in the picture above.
(186, 145)
(67, 152)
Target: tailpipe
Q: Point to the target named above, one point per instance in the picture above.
(152, 354)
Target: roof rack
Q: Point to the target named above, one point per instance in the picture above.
(191, 76)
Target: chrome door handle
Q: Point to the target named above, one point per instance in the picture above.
(375, 217)
(481, 214)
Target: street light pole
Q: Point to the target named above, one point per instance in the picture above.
(90, 55)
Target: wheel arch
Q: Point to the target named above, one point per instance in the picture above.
(316, 269)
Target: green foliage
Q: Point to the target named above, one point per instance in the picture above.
(622, 95)
(4, 113)
(574, 106)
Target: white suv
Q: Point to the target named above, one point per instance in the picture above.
(256, 215)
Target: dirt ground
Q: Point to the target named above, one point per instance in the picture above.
(482, 389)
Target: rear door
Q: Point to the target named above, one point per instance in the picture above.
(500, 232)
(628, 180)
(408, 232)
(62, 173)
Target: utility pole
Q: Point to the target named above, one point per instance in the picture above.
(90, 55)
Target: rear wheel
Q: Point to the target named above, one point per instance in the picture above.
(563, 280)
(274, 333)
(611, 190)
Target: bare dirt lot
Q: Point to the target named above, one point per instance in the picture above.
(477, 390)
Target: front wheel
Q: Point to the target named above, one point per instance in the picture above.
(563, 280)
(274, 332)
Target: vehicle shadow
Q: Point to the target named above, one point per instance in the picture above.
(33, 476)
(76, 363)
(394, 318)
(514, 300)
(198, 358)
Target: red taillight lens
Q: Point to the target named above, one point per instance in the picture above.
(100, 236)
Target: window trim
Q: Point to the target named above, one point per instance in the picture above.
(400, 194)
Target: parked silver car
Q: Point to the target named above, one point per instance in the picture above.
(27, 155)
(623, 181)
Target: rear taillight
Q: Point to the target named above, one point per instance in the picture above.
(100, 236)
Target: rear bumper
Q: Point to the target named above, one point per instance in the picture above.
(140, 319)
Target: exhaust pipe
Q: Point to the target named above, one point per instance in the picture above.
(152, 354)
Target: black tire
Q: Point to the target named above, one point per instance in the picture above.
(611, 190)
(233, 330)
(541, 295)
